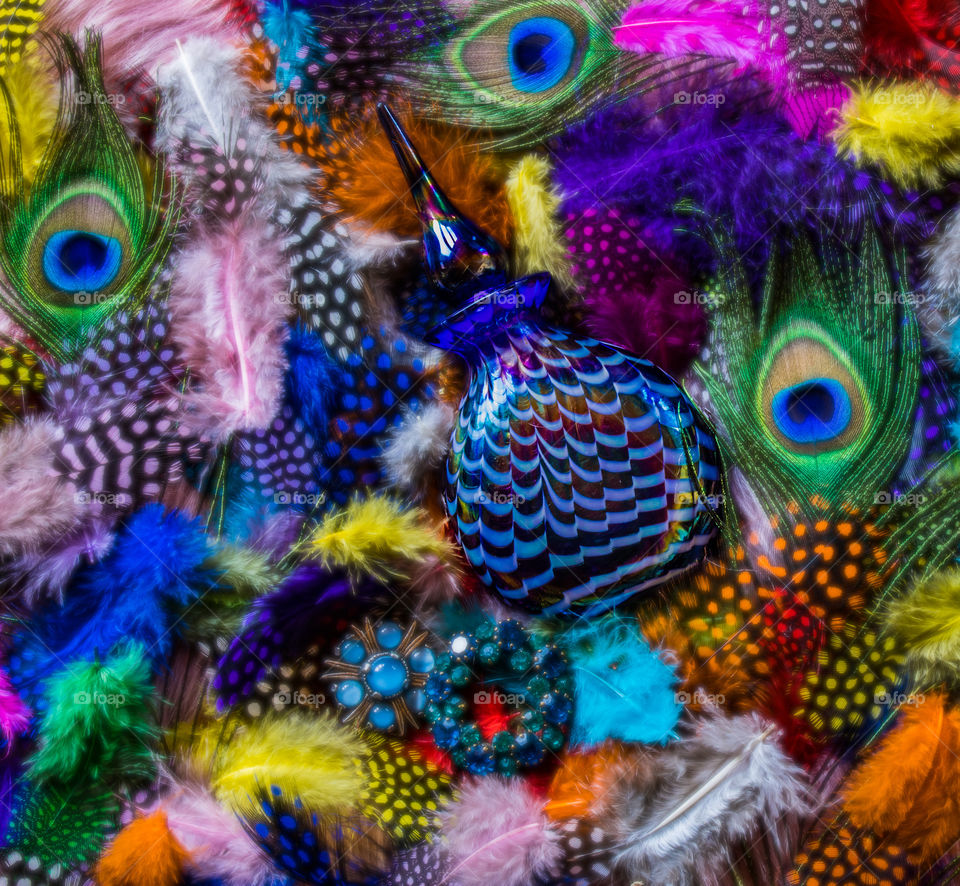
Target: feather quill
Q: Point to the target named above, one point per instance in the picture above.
(679, 821)
(496, 832)
(228, 297)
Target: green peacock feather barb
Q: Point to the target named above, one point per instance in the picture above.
(85, 240)
(816, 393)
(525, 71)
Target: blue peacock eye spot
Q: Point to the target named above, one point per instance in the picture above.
(540, 52)
(812, 411)
(81, 261)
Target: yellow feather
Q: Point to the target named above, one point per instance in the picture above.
(927, 620)
(911, 131)
(538, 241)
(34, 95)
(376, 536)
(304, 754)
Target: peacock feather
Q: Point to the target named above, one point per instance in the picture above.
(84, 239)
(817, 394)
(525, 71)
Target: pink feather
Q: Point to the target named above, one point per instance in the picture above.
(721, 28)
(496, 832)
(14, 714)
(138, 36)
(219, 847)
(228, 308)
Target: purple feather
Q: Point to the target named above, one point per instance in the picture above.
(313, 605)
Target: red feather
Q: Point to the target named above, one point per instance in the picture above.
(914, 38)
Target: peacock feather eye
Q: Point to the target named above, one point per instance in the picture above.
(812, 399)
(84, 238)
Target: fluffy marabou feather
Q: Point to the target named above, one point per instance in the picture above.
(155, 565)
(582, 784)
(496, 832)
(926, 620)
(622, 689)
(537, 241)
(643, 308)
(314, 381)
(137, 38)
(14, 714)
(37, 574)
(100, 723)
(364, 180)
(910, 131)
(228, 315)
(301, 753)
(144, 853)
(675, 821)
(939, 309)
(218, 845)
(376, 536)
(40, 506)
(905, 787)
(725, 29)
(743, 166)
(417, 448)
(33, 96)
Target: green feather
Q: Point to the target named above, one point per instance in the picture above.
(816, 393)
(100, 725)
(86, 238)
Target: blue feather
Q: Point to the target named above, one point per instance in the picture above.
(623, 689)
(153, 567)
(313, 380)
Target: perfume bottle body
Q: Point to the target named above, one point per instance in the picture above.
(579, 474)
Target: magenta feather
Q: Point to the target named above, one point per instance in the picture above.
(14, 714)
(496, 832)
(229, 321)
(722, 28)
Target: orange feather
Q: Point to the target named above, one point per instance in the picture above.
(144, 853)
(365, 181)
(584, 780)
(909, 787)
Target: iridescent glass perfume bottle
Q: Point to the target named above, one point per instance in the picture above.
(579, 474)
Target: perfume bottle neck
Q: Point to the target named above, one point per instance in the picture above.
(468, 330)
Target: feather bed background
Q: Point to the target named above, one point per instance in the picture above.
(457, 443)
